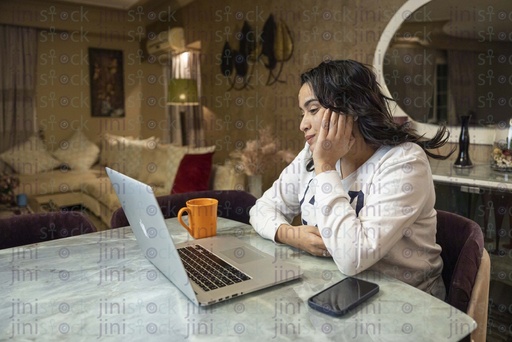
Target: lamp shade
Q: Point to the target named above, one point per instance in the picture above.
(182, 91)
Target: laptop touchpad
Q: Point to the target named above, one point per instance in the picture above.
(242, 255)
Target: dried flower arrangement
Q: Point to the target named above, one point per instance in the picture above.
(257, 155)
(8, 183)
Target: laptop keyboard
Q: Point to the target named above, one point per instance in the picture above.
(207, 270)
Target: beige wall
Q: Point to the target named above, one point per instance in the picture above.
(321, 29)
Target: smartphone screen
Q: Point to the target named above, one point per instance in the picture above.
(339, 298)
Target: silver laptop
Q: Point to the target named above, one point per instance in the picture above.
(206, 270)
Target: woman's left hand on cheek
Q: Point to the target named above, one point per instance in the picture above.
(334, 140)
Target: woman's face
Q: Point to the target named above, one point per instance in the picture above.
(312, 113)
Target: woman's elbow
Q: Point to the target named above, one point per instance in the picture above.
(350, 272)
(348, 269)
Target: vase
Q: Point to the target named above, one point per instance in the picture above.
(255, 185)
(463, 160)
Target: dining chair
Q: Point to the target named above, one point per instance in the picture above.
(233, 204)
(19, 230)
(466, 270)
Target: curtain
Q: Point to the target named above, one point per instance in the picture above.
(187, 65)
(461, 81)
(18, 60)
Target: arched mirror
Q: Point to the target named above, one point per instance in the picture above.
(442, 59)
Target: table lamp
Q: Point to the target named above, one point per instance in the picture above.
(182, 92)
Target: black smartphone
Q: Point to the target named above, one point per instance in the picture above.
(341, 297)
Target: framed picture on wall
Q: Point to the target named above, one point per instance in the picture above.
(107, 82)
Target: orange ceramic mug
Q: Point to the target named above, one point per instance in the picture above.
(202, 217)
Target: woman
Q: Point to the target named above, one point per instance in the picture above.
(362, 184)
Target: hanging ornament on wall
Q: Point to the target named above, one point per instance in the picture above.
(238, 59)
(247, 43)
(226, 65)
(282, 50)
(267, 39)
(272, 48)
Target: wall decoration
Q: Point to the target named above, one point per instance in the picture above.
(107, 83)
(272, 48)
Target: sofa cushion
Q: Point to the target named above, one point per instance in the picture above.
(102, 190)
(159, 167)
(77, 152)
(227, 177)
(56, 181)
(194, 171)
(30, 157)
(165, 167)
(109, 145)
(125, 154)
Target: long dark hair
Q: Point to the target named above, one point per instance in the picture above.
(350, 87)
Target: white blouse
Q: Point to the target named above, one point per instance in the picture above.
(381, 216)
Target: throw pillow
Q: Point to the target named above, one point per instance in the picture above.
(124, 154)
(227, 177)
(194, 171)
(110, 146)
(159, 167)
(130, 159)
(77, 152)
(30, 157)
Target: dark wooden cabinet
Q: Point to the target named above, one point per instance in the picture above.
(491, 208)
